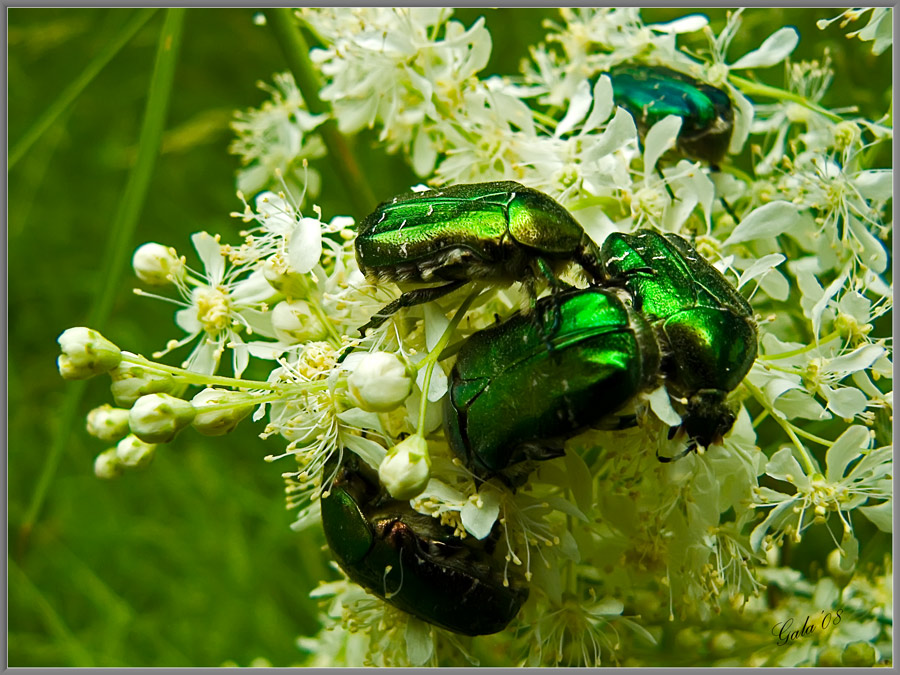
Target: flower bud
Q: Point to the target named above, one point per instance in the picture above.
(222, 420)
(107, 465)
(379, 382)
(830, 657)
(107, 423)
(295, 322)
(156, 418)
(133, 453)
(132, 382)
(406, 469)
(859, 655)
(86, 353)
(157, 265)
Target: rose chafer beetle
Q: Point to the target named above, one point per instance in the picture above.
(650, 93)
(512, 400)
(705, 327)
(501, 232)
(412, 561)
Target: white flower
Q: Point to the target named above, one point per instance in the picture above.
(379, 382)
(156, 418)
(405, 470)
(133, 453)
(276, 138)
(221, 306)
(230, 408)
(107, 423)
(130, 382)
(107, 465)
(157, 265)
(86, 353)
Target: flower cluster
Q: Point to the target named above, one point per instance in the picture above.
(614, 543)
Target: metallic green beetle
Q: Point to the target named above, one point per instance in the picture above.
(650, 93)
(512, 400)
(705, 328)
(502, 232)
(412, 561)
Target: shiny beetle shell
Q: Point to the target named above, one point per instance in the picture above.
(705, 327)
(650, 93)
(411, 561)
(513, 397)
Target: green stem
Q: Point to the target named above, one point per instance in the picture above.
(221, 380)
(737, 173)
(800, 350)
(61, 104)
(121, 233)
(751, 87)
(296, 53)
(435, 353)
(784, 424)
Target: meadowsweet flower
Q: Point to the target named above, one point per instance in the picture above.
(379, 382)
(405, 470)
(107, 423)
(86, 353)
(219, 411)
(274, 140)
(134, 453)
(157, 265)
(156, 418)
(131, 381)
(107, 465)
(219, 306)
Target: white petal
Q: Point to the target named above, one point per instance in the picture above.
(252, 290)
(240, 355)
(686, 24)
(774, 49)
(844, 450)
(579, 105)
(661, 406)
(210, 254)
(768, 221)
(743, 120)
(783, 466)
(436, 324)
(760, 267)
(882, 515)
(478, 521)
(873, 253)
(877, 184)
(305, 247)
(844, 402)
(603, 103)
(660, 138)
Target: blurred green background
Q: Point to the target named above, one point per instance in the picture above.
(191, 563)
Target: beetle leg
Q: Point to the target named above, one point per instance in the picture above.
(588, 256)
(409, 299)
(665, 460)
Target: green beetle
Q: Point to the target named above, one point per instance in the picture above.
(412, 561)
(501, 231)
(650, 93)
(511, 400)
(705, 327)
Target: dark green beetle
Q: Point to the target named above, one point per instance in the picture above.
(512, 400)
(705, 327)
(502, 232)
(650, 93)
(412, 561)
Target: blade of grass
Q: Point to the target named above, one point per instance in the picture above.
(78, 654)
(296, 53)
(55, 109)
(117, 249)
